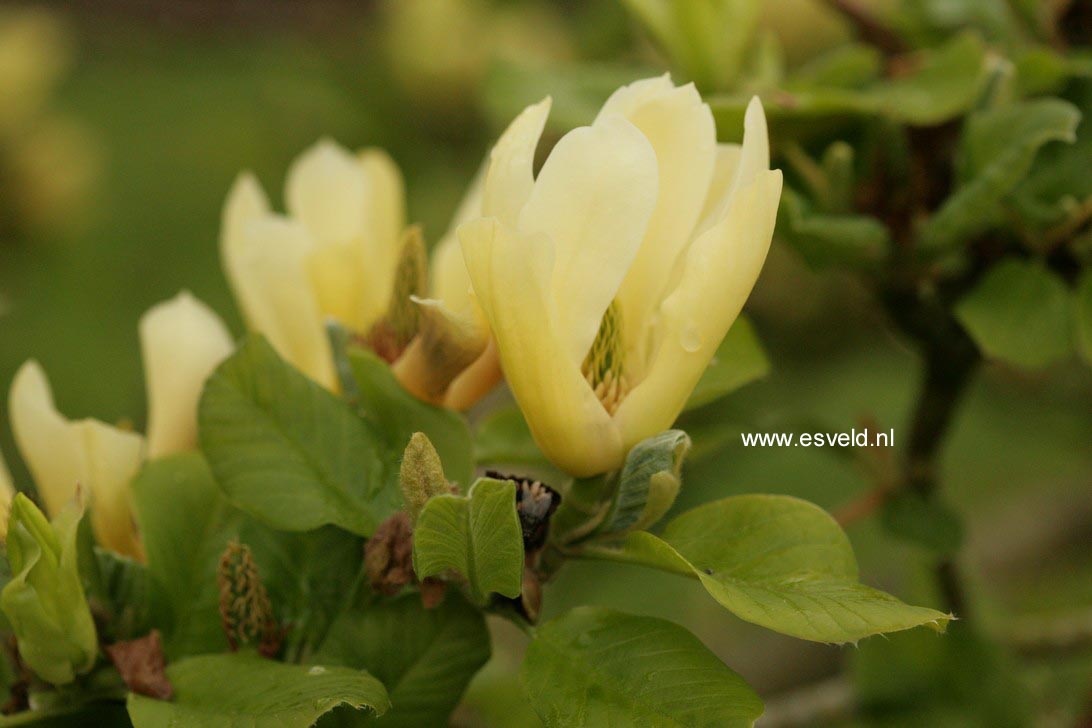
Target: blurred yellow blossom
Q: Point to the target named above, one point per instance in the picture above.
(182, 340)
(343, 252)
(48, 162)
(611, 278)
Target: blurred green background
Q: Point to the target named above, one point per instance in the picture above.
(160, 105)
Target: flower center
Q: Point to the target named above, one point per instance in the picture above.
(604, 366)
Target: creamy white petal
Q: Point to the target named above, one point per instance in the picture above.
(721, 269)
(51, 446)
(276, 295)
(61, 454)
(112, 458)
(592, 199)
(326, 190)
(510, 175)
(246, 202)
(681, 130)
(724, 172)
(566, 419)
(181, 340)
(384, 223)
(754, 157)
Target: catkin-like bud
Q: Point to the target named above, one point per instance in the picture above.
(246, 613)
(421, 474)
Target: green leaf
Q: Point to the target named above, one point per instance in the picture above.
(478, 536)
(706, 40)
(287, 451)
(594, 666)
(946, 83)
(740, 360)
(44, 602)
(778, 562)
(396, 414)
(504, 438)
(425, 657)
(230, 691)
(822, 240)
(648, 483)
(1019, 313)
(1058, 189)
(997, 151)
(185, 523)
(849, 65)
(1082, 316)
(927, 523)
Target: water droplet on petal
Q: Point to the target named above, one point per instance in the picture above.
(690, 338)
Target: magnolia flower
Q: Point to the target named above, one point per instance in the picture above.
(343, 252)
(182, 341)
(611, 278)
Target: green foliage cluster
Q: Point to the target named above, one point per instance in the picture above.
(302, 477)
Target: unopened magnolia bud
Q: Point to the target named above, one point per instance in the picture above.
(421, 474)
(246, 614)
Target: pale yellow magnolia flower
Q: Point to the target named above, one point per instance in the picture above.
(182, 341)
(34, 52)
(335, 255)
(610, 279)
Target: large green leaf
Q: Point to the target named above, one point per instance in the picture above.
(185, 523)
(598, 667)
(779, 562)
(396, 415)
(740, 360)
(1019, 313)
(478, 536)
(237, 690)
(425, 657)
(287, 451)
(946, 83)
(998, 149)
